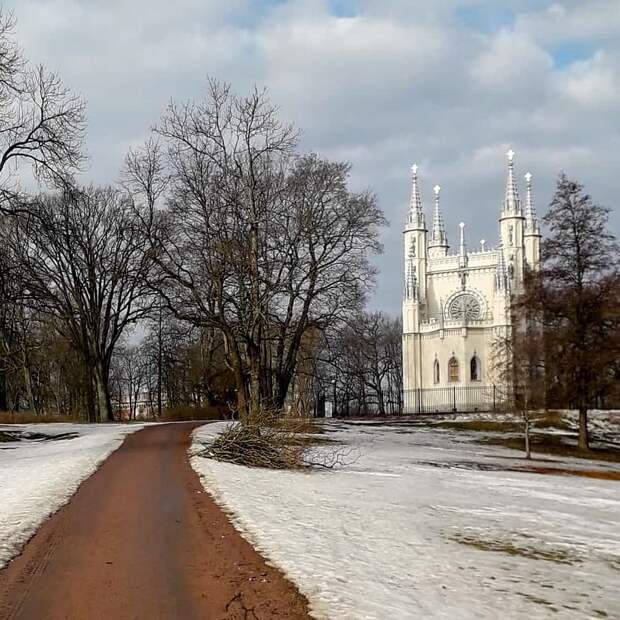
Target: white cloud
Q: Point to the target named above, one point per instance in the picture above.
(594, 83)
(510, 64)
(574, 20)
(396, 82)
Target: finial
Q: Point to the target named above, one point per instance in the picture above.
(482, 242)
(528, 177)
(436, 190)
(462, 225)
(414, 168)
(511, 155)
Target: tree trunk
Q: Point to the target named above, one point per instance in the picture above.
(584, 439)
(3, 396)
(103, 405)
(526, 432)
(28, 387)
(380, 397)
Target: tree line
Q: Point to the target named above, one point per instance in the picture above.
(219, 230)
(246, 265)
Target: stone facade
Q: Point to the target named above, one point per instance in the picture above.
(457, 304)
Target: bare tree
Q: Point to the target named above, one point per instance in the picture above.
(41, 122)
(131, 372)
(254, 242)
(85, 258)
(362, 361)
(519, 358)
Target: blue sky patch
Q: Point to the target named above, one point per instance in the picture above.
(343, 8)
(568, 52)
(486, 19)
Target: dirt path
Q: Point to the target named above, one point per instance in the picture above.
(140, 539)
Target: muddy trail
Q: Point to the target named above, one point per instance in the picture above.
(141, 539)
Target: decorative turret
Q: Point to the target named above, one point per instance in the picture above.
(512, 204)
(411, 281)
(531, 237)
(415, 238)
(511, 224)
(439, 240)
(502, 278)
(416, 215)
(531, 222)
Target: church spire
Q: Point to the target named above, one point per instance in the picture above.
(439, 239)
(416, 215)
(531, 222)
(511, 201)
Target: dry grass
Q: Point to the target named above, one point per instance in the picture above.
(559, 556)
(499, 426)
(28, 417)
(558, 446)
(550, 419)
(186, 413)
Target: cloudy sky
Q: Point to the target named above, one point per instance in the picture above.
(448, 84)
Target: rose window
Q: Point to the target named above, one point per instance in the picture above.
(464, 307)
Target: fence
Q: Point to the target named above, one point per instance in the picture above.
(456, 399)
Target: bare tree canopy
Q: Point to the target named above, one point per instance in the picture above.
(85, 259)
(254, 240)
(41, 122)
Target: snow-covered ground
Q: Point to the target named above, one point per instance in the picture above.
(427, 524)
(38, 476)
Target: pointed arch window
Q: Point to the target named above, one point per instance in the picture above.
(453, 370)
(474, 369)
(436, 375)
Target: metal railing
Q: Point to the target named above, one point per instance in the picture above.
(456, 399)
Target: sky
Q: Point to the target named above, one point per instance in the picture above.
(450, 85)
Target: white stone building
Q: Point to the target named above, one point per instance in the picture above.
(456, 304)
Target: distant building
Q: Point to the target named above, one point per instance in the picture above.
(456, 304)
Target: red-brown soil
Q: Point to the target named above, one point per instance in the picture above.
(142, 540)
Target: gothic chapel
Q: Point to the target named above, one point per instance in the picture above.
(456, 304)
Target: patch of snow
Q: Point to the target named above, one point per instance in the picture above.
(37, 477)
(413, 530)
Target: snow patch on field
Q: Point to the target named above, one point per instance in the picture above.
(414, 529)
(38, 476)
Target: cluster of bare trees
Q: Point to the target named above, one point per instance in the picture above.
(174, 367)
(231, 246)
(41, 130)
(250, 239)
(357, 366)
(80, 262)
